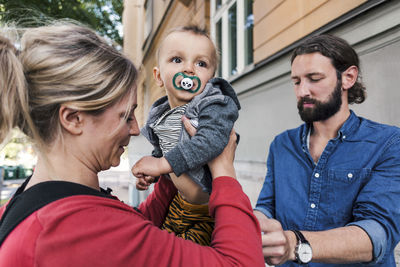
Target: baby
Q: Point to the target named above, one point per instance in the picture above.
(187, 61)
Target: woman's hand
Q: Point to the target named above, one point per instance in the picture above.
(188, 126)
(223, 164)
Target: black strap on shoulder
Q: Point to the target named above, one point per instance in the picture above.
(24, 203)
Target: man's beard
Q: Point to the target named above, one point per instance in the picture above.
(321, 110)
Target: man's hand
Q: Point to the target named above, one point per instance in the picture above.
(278, 245)
(151, 166)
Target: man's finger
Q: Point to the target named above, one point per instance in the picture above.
(269, 225)
(273, 239)
(276, 252)
(273, 261)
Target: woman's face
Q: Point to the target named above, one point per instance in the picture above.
(107, 134)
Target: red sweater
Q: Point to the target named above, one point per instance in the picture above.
(93, 231)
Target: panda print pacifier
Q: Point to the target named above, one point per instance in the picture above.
(187, 83)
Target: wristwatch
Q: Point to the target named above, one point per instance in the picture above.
(303, 251)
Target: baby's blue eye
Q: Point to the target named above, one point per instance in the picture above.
(176, 60)
(202, 64)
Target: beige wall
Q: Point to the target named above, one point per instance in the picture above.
(265, 90)
(279, 23)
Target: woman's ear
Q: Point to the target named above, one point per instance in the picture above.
(349, 77)
(157, 77)
(71, 120)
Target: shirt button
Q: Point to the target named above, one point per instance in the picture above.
(316, 175)
(350, 175)
(313, 205)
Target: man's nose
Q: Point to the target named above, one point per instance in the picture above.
(302, 89)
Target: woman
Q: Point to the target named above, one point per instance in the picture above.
(75, 96)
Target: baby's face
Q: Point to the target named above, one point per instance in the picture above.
(189, 54)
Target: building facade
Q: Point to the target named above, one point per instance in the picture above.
(255, 39)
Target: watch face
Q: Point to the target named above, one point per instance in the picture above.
(305, 253)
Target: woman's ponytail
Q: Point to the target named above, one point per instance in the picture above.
(14, 104)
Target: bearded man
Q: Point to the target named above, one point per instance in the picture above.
(332, 190)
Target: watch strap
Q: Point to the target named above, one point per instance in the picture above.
(300, 240)
(300, 237)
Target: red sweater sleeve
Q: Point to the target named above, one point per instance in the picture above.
(237, 234)
(155, 207)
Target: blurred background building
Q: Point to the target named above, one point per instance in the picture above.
(255, 39)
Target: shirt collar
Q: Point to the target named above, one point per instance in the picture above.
(347, 129)
(349, 126)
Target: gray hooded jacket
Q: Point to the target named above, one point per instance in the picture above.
(215, 110)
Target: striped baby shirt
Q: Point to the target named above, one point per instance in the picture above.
(168, 128)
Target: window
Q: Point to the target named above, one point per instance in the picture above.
(218, 43)
(148, 27)
(248, 32)
(232, 29)
(232, 40)
(218, 4)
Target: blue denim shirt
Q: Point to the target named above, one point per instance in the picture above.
(356, 181)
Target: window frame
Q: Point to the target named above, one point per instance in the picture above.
(222, 14)
(148, 21)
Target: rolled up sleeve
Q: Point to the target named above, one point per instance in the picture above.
(377, 206)
(377, 235)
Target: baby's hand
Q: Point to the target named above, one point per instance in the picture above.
(143, 183)
(151, 166)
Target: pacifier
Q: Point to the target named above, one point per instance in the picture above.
(187, 83)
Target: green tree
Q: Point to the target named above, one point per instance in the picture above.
(105, 16)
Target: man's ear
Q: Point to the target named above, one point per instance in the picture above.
(157, 77)
(349, 77)
(71, 120)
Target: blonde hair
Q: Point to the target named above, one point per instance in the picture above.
(62, 63)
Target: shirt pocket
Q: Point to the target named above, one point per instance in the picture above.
(347, 176)
(343, 188)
